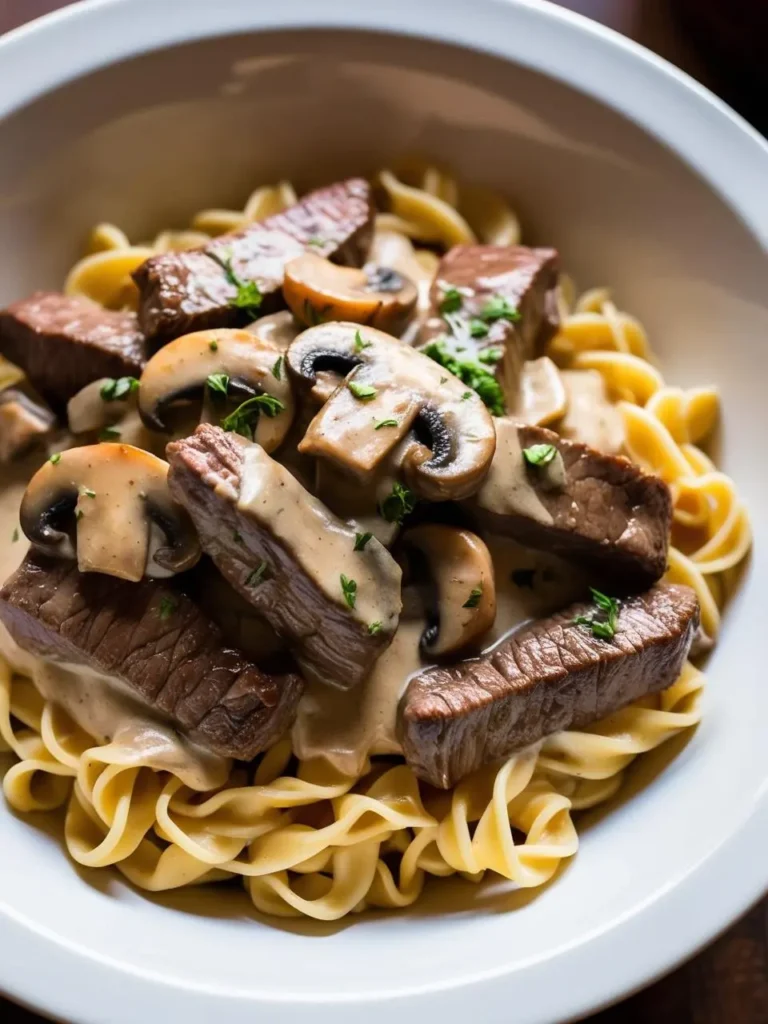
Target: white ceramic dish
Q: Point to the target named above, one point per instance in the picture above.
(122, 110)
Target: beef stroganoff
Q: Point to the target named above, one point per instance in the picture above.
(363, 549)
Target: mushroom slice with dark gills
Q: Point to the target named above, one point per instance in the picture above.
(318, 291)
(393, 403)
(327, 587)
(109, 506)
(463, 590)
(219, 366)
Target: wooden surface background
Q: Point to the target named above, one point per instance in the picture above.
(728, 982)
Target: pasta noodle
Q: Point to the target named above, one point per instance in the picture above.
(304, 838)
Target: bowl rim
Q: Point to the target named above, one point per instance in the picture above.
(732, 158)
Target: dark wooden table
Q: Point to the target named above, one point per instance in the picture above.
(728, 982)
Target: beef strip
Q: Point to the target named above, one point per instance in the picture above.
(549, 675)
(154, 639)
(192, 290)
(273, 563)
(63, 342)
(526, 278)
(600, 511)
(24, 424)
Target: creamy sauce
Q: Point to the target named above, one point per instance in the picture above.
(541, 398)
(507, 488)
(591, 417)
(322, 544)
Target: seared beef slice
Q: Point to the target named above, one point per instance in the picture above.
(63, 342)
(156, 641)
(285, 552)
(193, 291)
(601, 511)
(549, 675)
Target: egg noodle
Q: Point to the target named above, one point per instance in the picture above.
(305, 839)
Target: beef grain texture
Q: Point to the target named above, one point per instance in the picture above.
(191, 291)
(611, 517)
(549, 675)
(158, 642)
(63, 342)
(325, 637)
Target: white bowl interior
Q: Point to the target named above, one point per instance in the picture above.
(146, 143)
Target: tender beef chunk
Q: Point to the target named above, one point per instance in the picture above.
(508, 289)
(23, 423)
(600, 511)
(550, 675)
(192, 291)
(158, 642)
(63, 342)
(286, 553)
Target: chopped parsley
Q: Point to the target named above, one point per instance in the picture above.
(398, 504)
(539, 454)
(361, 391)
(314, 316)
(258, 575)
(605, 620)
(452, 301)
(359, 343)
(391, 422)
(245, 417)
(466, 396)
(277, 369)
(361, 539)
(167, 608)
(55, 459)
(116, 390)
(213, 346)
(374, 628)
(490, 355)
(472, 374)
(218, 383)
(15, 535)
(109, 434)
(79, 514)
(89, 493)
(523, 577)
(248, 295)
(499, 308)
(349, 590)
(474, 597)
(477, 328)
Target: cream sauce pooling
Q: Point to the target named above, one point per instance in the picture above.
(506, 488)
(323, 544)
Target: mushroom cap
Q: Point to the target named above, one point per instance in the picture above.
(89, 410)
(317, 291)
(251, 362)
(276, 329)
(109, 506)
(461, 570)
(443, 437)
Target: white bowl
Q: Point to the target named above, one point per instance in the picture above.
(141, 111)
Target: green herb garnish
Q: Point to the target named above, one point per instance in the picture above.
(248, 295)
(361, 391)
(277, 369)
(359, 343)
(316, 240)
(15, 535)
(474, 597)
(361, 539)
(89, 493)
(314, 316)
(391, 422)
(472, 374)
(349, 590)
(245, 417)
(374, 628)
(398, 504)
(213, 346)
(109, 434)
(539, 454)
(167, 608)
(466, 396)
(477, 328)
(79, 514)
(114, 390)
(258, 575)
(490, 355)
(452, 301)
(499, 308)
(218, 383)
(605, 620)
(55, 459)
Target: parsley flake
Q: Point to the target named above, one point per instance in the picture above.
(248, 295)
(259, 574)
(218, 383)
(391, 422)
(398, 504)
(374, 628)
(490, 355)
(361, 539)
(499, 308)
(349, 590)
(15, 535)
(361, 391)
(359, 343)
(477, 329)
(55, 459)
(89, 493)
(167, 608)
(470, 373)
(245, 417)
(213, 346)
(117, 390)
(277, 369)
(605, 620)
(109, 434)
(452, 301)
(539, 454)
(474, 597)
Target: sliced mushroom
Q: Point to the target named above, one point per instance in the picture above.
(541, 398)
(100, 404)
(243, 366)
(318, 291)
(461, 571)
(109, 506)
(23, 423)
(394, 403)
(276, 329)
